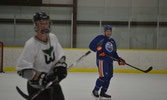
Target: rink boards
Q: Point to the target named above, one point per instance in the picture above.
(138, 57)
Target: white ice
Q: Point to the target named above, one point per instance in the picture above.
(78, 86)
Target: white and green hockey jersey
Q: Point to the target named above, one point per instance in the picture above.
(39, 55)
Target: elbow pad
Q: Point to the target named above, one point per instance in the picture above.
(27, 73)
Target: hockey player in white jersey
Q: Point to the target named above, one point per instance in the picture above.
(42, 61)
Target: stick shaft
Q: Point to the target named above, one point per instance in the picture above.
(145, 71)
(134, 67)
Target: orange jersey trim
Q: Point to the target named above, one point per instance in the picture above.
(101, 68)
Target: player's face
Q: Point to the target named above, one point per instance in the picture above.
(44, 24)
(108, 33)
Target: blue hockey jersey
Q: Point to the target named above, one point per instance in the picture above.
(108, 47)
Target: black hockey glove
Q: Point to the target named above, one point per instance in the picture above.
(60, 70)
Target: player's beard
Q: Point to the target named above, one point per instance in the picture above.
(45, 31)
(43, 34)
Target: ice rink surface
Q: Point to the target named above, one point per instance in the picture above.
(78, 86)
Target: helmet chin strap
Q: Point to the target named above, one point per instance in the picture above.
(46, 31)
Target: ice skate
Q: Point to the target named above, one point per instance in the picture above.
(95, 94)
(104, 96)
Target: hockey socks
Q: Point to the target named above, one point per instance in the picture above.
(99, 83)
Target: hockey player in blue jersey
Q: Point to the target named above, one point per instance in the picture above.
(104, 45)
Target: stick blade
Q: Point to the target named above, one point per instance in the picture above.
(88, 53)
(148, 70)
(22, 94)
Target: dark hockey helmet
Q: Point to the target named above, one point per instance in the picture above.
(107, 27)
(40, 16)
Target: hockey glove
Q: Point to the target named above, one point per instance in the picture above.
(40, 79)
(99, 48)
(121, 61)
(60, 70)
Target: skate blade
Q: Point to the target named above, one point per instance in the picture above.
(102, 98)
(95, 97)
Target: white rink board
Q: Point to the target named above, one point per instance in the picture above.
(139, 58)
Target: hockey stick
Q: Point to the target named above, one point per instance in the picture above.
(145, 71)
(50, 83)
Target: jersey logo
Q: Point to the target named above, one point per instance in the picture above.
(49, 55)
(109, 46)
